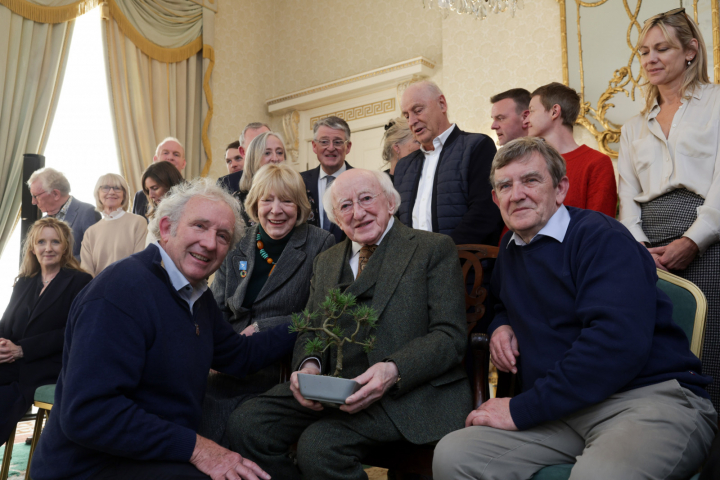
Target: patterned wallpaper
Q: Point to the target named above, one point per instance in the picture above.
(266, 49)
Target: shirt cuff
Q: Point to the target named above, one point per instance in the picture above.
(702, 234)
(308, 359)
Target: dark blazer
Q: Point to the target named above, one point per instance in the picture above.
(310, 177)
(462, 204)
(231, 182)
(415, 284)
(80, 216)
(43, 336)
(286, 290)
(140, 204)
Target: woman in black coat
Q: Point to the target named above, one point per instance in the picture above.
(32, 329)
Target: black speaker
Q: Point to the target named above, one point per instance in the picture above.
(28, 212)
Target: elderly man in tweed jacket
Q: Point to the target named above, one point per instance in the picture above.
(413, 385)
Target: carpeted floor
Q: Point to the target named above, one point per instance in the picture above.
(19, 460)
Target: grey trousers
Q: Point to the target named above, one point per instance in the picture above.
(661, 431)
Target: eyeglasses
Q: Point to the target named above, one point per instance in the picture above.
(669, 13)
(107, 188)
(365, 201)
(35, 197)
(335, 143)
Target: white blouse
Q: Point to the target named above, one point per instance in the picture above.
(651, 165)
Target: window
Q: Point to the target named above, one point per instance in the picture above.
(81, 143)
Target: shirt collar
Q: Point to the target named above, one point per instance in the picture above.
(356, 246)
(697, 93)
(342, 169)
(440, 140)
(114, 215)
(60, 215)
(178, 280)
(556, 228)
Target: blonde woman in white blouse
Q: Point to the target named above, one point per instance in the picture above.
(669, 166)
(119, 234)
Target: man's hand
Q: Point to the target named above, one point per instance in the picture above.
(504, 349)
(310, 367)
(494, 413)
(222, 464)
(376, 380)
(9, 352)
(248, 331)
(677, 255)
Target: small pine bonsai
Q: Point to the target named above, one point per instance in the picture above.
(330, 334)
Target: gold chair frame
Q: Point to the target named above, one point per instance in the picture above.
(698, 336)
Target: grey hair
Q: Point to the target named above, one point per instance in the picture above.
(50, 179)
(382, 178)
(521, 149)
(251, 126)
(169, 139)
(336, 123)
(173, 205)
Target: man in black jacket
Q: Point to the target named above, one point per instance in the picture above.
(444, 186)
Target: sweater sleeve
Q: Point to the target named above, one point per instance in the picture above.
(482, 222)
(628, 188)
(141, 229)
(615, 302)
(97, 409)
(86, 254)
(602, 188)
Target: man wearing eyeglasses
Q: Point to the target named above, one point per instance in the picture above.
(50, 191)
(413, 386)
(331, 143)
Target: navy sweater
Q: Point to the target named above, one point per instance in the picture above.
(134, 370)
(589, 319)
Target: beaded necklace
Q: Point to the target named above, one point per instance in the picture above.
(264, 254)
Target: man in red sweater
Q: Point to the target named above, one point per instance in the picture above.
(553, 111)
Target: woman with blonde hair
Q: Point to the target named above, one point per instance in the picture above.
(398, 142)
(119, 234)
(669, 166)
(32, 328)
(268, 147)
(263, 281)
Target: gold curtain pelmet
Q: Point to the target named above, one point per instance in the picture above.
(41, 14)
(152, 50)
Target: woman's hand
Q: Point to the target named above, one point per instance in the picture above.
(677, 255)
(9, 352)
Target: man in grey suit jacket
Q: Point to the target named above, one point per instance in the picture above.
(50, 191)
(413, 385)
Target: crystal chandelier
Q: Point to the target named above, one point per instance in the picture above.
(479, 8)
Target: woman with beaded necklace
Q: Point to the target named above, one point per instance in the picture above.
(263, 281)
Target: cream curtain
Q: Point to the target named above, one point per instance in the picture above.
(33, 57)
(159, 64)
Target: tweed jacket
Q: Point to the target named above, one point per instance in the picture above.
(310, 177)
(414, 283)
(286, 290)
(80, 216)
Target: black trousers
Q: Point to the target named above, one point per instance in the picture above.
(330, 444)
(126, 469)
(12, 408)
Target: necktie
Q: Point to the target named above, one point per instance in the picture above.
(326, 222)
(365, 254)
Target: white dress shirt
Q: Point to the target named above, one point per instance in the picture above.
(556, 228)
(114, 215)
(651, 165)
(422, 211)
(322, 183)
(187, 292)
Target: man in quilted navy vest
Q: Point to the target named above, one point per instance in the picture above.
(444, 186)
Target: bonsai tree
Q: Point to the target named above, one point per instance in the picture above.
(329, 333)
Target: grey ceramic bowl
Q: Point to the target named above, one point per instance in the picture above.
(326, 389)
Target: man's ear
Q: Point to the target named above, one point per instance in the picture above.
(165, 227)
(555, 111)
(443, 103)
(561, 190)
(495, 198)
(524, 115)
(241, 150)
(349, 146)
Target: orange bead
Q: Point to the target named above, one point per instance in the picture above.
(269, 260)
(260, 245)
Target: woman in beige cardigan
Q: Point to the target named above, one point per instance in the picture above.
(119, 234)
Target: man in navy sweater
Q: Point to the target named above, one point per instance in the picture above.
(139, 343)
(608, 379)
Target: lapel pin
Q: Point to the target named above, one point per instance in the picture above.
(243, 269)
